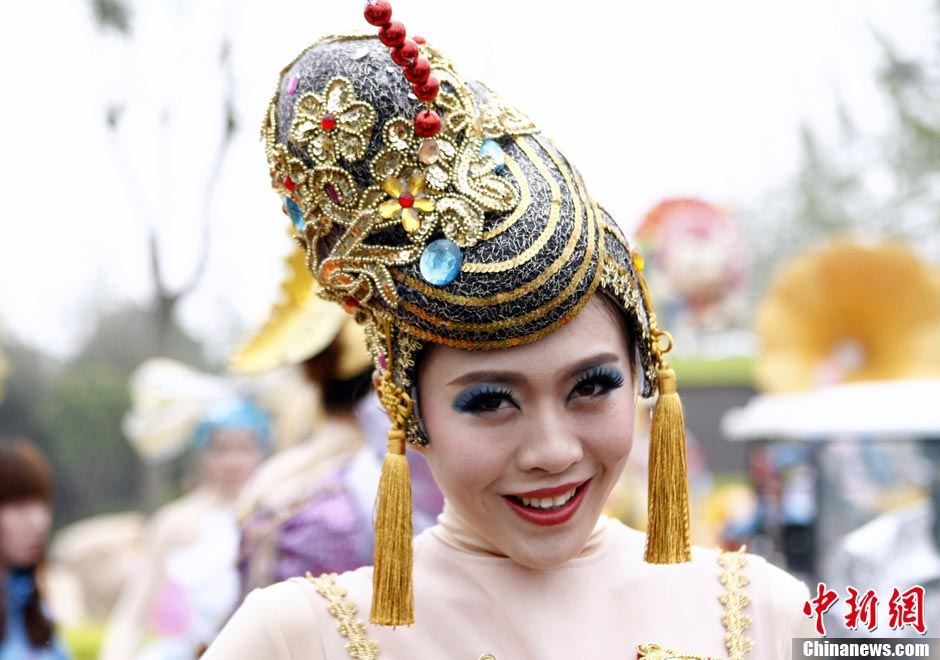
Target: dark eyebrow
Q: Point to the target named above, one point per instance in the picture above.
(508, 377)
(591, 362)
(513, 378)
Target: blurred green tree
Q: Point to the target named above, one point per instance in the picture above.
(869, 186)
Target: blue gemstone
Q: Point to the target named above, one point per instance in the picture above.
(296, 215)
(495, 152)
(440, 262)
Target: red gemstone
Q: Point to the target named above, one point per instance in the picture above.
(289, 183)
(378, 12)
(352, 302)
(427, 123)
(427, 91)
(419, 71)
(332, 193)
(406, 53)
(392, 34)
(406, 199)
(419, 40)
(328, 122)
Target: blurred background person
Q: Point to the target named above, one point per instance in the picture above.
(175, 604)
(309, 508)
(26, 630)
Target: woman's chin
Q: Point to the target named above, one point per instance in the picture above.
(547, 552)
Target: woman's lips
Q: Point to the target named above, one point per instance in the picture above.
(534, 506)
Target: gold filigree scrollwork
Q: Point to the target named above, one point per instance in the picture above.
(335, 126)
(345, 612)
(654, 652)
(443, 185)
(735, 600)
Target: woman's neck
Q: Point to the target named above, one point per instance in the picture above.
(457, 532)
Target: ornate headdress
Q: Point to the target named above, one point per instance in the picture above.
(433, 211)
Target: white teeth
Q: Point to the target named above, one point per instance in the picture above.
(548, 502)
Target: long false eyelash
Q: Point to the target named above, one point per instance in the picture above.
(608, 377)
(471, 400)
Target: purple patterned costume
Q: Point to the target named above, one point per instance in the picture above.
(329, 528)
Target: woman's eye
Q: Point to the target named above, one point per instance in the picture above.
(598, 382)
(481, 400)
(587, 388)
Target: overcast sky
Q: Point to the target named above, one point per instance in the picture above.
(648, 99)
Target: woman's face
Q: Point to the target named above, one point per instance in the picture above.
(230, 458)
(527, 442)
(24, 530)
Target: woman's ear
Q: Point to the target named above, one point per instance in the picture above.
(376, 379)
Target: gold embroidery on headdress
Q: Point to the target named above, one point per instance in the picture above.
(450, 181)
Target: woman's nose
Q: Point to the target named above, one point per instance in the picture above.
(550, 444)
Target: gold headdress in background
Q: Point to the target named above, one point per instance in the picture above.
(849, 312)
(301, 325)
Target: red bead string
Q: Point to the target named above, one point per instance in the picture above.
(406, 54)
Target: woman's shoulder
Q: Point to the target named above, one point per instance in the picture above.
(293, 619)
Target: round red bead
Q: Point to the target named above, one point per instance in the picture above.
(427, 123)
(419, 40)
(406, 53)
(427, 91)
(419, 71)
(406, 199)
(392, 34)
(328, 122)
(378, 13)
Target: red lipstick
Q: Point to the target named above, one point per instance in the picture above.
(548, 517)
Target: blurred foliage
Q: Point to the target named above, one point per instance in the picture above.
(869, 186)
(28, 378)
(692, 371)
(73, 409)
(82, 417)
(112, 14)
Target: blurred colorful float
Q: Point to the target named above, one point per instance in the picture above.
(849, 370)
(698, 267)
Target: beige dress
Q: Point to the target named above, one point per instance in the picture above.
(472, 604)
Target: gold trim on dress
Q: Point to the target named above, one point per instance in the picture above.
(734, 580)
(654, 652)
(350, 626)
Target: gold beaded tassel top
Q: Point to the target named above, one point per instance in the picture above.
(668, 535)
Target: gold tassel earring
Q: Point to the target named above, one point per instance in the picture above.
(392, 588)
(668, 535)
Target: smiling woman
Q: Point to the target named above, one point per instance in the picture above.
(511, 331)
(527, 443)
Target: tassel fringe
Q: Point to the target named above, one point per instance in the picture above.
(668, 535)
(392, 588)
